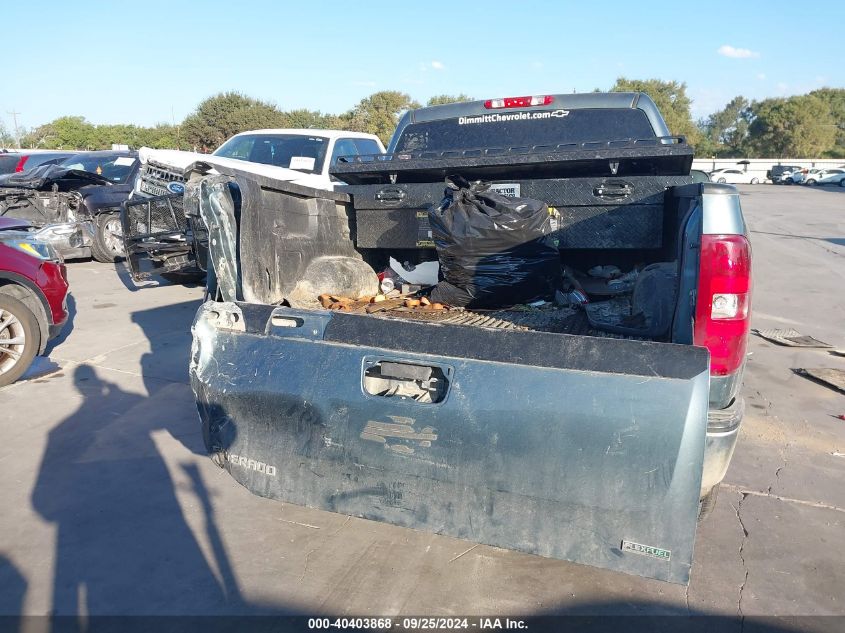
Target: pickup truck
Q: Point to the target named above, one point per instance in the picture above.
(552, 437)
(153, 220)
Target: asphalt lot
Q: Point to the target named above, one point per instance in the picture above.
(110, 506)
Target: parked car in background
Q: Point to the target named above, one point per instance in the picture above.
(834, 176)
(75, 204)
(734, 177)
(780, 174)
(33, 297)
(801, 176)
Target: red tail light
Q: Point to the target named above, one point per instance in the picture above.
(723, 307)
(518, 102)
(21, 163)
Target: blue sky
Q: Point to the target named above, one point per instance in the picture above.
(150, 61)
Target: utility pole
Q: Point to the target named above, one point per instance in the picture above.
(15, 122)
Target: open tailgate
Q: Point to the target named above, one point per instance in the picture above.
(579, 448)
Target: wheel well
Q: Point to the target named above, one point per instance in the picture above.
(28, 297)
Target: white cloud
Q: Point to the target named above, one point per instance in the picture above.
(365, 84)
(436, 65)
(537, 65)
(737, 53)
(761, 76)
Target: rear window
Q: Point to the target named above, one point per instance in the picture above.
(294, 151)
(525, 129)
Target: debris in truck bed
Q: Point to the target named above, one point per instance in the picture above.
(611, 312)
(545, 317)
(790, 338)
(601, 286)
(493, 250)
(833, 378)
(605, 272)
(380, 303)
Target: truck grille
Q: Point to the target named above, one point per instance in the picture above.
(155, 178)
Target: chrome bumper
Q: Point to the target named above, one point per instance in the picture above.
(722, 432)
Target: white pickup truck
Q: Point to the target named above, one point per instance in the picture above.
(301, 156)
(154, 221)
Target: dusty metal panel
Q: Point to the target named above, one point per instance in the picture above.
(271, 240)
(525, 453)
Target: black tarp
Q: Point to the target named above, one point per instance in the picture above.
(44, 177)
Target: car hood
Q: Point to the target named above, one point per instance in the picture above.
(183, 160)
(101, 196)
(13, 224)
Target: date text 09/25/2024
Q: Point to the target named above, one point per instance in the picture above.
(418, 624)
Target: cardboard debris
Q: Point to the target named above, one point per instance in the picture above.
(380, 303)
(790, 338)
(833, 378)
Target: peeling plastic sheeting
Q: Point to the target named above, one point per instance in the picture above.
(217, 209)
(790, 338)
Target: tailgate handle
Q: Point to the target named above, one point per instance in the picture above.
(404, 380)
(390, 194)
(613, 190)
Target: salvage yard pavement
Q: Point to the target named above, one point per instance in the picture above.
(110, 505)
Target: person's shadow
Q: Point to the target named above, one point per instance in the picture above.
(122, 544)
(12, 592)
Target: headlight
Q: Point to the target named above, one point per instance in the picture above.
(36, 248)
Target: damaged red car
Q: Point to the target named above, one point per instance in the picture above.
(33, 298)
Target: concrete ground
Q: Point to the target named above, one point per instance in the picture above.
(110, 506)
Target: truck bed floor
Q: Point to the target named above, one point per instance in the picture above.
(542, 319)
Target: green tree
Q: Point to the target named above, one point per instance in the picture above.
(219, 117)
(163, 136)
(305, 119)
(797, 127)
(444, 99)
(835, 100)
(727, 129)
(6, 138)
(378, 114)
(671, 99)
(67, 132)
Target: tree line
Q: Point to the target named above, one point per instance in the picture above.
(803, 126)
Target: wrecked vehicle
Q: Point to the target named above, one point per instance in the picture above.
(75, 204)
(154, 222)
(33, 298)
(594, 426)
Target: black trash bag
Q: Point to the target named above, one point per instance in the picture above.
(494, 251)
